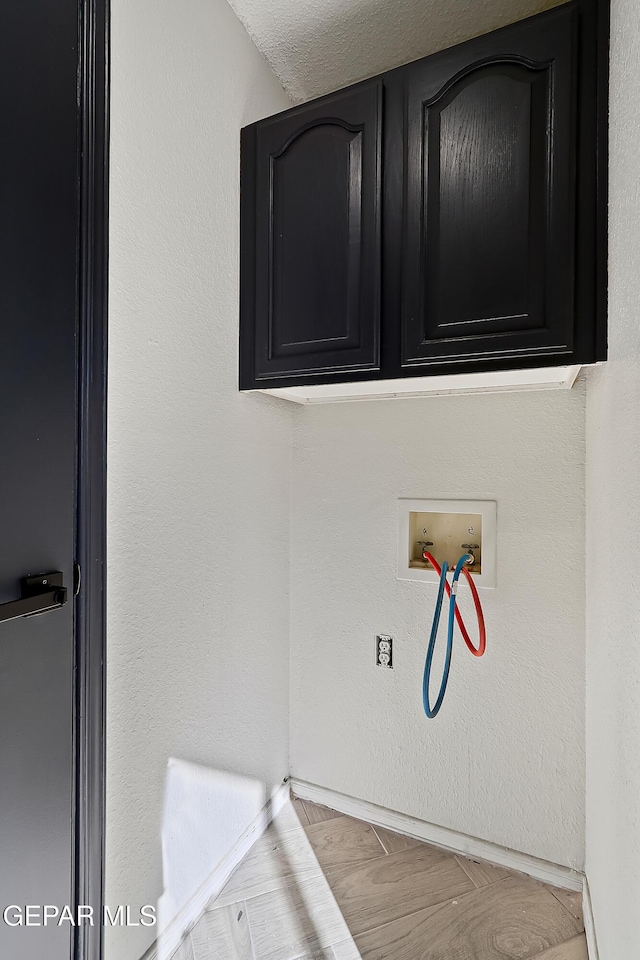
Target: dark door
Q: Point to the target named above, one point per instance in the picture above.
(490, 234)
(41, 191)
(311, 186)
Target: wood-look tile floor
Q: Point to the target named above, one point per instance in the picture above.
(322, 886)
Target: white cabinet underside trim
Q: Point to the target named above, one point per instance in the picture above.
(542, 378)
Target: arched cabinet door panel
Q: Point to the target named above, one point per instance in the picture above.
(316, 299)
(490, 228)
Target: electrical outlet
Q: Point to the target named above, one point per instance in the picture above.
(384, 651)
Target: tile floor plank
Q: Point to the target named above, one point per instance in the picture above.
(297, 918)
(403, 900)
(513, 919)
(223, 934)
(316, 813)
(327, 954)
(341, 841)
(346, 950)
(482, 873)
(572, 900)
(298, 806)
(290, 816)
(575, 949)
(185, 950)
(283, 851)
(395, 842)
(381, 890)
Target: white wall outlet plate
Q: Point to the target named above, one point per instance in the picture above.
(447, 529)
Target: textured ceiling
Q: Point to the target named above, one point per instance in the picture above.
(316, 46)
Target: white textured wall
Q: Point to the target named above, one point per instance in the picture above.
(199, 476)
(317, 47)
(613, 491)
(504, 760)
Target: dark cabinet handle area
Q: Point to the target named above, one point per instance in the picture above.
(446, 217)
(38, 594)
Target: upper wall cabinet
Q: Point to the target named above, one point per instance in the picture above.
(447, 217)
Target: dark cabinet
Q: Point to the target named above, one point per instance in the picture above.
(448, 216)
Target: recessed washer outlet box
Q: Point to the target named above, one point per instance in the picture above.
(447, 528)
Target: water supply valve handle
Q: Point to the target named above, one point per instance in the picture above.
(470, 547)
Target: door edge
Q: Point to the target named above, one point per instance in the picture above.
(90, 611)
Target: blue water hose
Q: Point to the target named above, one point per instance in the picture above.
(431, 711)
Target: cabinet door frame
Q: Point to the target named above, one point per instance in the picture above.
(542, 50)
(356, 111)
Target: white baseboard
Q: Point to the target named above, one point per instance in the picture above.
(169, 939)
(589, 925)
(450, 840)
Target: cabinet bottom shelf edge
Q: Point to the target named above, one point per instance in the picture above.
(503, 381)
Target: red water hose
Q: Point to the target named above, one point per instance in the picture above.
(482, 641)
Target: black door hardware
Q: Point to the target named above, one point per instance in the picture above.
(44, 592)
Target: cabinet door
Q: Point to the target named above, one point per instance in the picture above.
(489, 226)
(316, 302)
